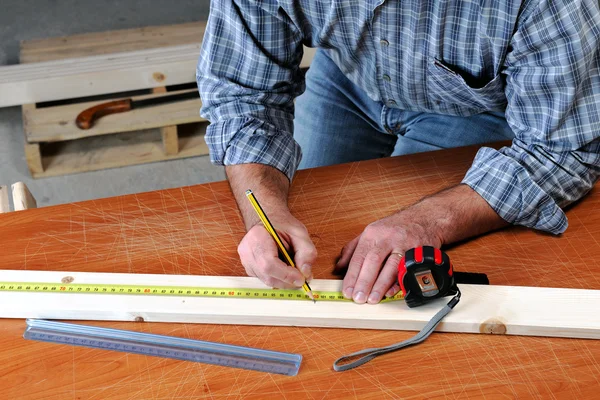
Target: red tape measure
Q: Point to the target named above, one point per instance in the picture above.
(425, 273)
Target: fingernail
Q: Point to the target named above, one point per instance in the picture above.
(360, 297)
(298, 283)
(305, 269)
(348, 293)
(374, 298)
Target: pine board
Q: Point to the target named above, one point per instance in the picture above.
(511, 310)
(99, 74)
(122, 40)
(57, 123)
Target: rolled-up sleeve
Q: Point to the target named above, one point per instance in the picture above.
(553, 92)
(248, 75)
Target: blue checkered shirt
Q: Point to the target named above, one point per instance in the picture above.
(537, 60)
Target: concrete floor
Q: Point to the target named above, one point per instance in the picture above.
(28, 19)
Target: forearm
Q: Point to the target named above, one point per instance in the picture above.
(270, 186)
(455, 214)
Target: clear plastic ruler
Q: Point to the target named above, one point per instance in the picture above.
(163, 346)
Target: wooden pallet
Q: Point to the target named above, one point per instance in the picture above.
(81, 64)
(56, 146)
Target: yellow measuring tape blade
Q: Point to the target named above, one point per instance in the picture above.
(188, 291)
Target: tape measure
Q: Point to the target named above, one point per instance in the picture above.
(425, 273)
(187, 291)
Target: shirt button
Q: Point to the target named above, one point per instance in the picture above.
(386, 78)
(384, 42)
(391, 103)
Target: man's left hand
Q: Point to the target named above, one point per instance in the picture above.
(372, 258)
(382, 243)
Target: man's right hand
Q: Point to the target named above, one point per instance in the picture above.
(260, 257)
(258, 251)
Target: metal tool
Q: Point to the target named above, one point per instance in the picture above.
(86, 118)
(164, 346)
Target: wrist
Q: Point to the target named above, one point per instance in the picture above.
(455, 214)
(269, 185)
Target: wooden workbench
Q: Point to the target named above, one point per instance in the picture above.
(195, 230)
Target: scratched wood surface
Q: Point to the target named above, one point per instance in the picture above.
(195, 230)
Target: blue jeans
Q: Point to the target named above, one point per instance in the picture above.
(336, 122)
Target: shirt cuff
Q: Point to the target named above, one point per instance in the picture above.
(247, 140)
(509, 190)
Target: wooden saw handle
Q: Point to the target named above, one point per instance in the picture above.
(86, 118)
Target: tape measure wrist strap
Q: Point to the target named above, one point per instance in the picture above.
(344, 363)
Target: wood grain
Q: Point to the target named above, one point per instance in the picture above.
(122, 40)
(195, 230)
(169, 133)
(100, 74)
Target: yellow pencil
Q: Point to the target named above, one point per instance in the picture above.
(271, 230)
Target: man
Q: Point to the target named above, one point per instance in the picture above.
(398, 77)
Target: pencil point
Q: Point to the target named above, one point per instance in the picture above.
(311, 296)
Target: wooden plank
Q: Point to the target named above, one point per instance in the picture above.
(118, 150)
(170, 140)
(169, 133)
(33, 157)
(22, 197)
(58, 123)
(101, 74)
(4, 204)
(195, 230)
(510, 310)
(122, 40)
(94, 75)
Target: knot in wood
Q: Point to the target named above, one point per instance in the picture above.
(158, 76)
(67, 279)
(493, 326)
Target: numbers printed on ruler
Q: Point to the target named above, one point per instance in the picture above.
(277, 294)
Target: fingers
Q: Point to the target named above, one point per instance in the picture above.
(305, 252)
(358, 258)
(367, 273)
(259, 255)
(386, 280)
(393, 290)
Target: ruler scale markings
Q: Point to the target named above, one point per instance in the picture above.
(150, 290)
(163, 346)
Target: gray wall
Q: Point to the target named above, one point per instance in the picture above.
(33, 19)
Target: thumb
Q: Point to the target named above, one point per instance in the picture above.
(305, 253)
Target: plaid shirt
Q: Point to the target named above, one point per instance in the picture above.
(537, 60)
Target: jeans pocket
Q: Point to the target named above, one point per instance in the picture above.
(448, 87)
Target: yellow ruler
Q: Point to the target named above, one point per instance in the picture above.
(187, 291)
